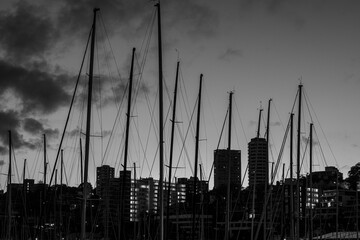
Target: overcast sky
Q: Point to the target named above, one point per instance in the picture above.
(259, 49)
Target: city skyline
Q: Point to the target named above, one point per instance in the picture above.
(259, 49)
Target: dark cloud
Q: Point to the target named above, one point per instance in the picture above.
(25, 34)
(131, 18)
(10, 120)
(35, 127)
(231, 54)
(2, 162)
(39, 91)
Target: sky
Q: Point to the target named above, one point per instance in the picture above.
(259, 49)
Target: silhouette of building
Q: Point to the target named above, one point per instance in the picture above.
(258, 162)
(221, 167)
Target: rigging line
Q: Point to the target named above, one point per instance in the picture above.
(146, 51)
(322, 131)
(72, 101)
(148, 33)
(16, 168)
(107, 37)
(278, 115)
(183, 141)
(217, 147)
(281, 151)
(99, 110)
(320, 146)
(241, 122)
(303, 157)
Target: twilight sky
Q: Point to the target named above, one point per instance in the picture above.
(259, 49)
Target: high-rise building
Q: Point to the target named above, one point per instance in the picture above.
(103, 176)
(222, 166)
(258, 162)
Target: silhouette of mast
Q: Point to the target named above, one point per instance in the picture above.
(298, 166)
(88, 124)
(123, 184)
(161, 125)
(9, 190)
(267, 169)
(196, 160)
(171, 150)
(292, 226)
(228, 201)
(310, 184)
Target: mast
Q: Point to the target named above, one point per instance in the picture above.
(310, 185)
(196, 160)
(228, 200)
(81, 163)
(161, 125)
(283, 231)
(9, 190)
(171, 149)
(88, 124)
(61, 186)
(123, 184)
(259, 123)
(267, 167)
(45, 164)
(298, 166)
(292, 226)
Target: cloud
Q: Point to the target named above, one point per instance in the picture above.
(38, 90)
(35, 127)
(275, 124)
(306, 140)
(10, 120)
(2, 162)
(231, 54)
(25, 34)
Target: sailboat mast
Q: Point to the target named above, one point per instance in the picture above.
(61, 197)
(298, 166)
(123, 184)
(267, 168)
(9, 190)
(88, 124)
(196, 160)
(292, 226)
(310, 183)
(81, 163)
(228, 201)
(45, 164)
(171, 149)
(161, 126)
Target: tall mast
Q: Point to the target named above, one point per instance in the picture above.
(161, 126)
(298, 166)
(228, 201)
(123, 184)
(310, 185)
(259, 123)
(45, 164)
(292, 226)
(196, 160)
(171, 149)
(61, 185)
(9, 191)
(24, 169)
(88, 124)
(81, 163)
(267, 167)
